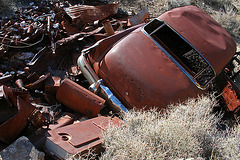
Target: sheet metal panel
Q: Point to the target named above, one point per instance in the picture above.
(88, 14)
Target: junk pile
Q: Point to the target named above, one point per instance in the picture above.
(43, 94)
(58, 58)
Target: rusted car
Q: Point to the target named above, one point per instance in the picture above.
(167, 60)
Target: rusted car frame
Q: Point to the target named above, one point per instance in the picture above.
(149, 66)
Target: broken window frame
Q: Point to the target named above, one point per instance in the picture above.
(176, 60)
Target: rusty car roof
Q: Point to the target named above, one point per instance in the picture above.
(204, 33)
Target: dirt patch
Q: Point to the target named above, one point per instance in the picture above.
(9, 7)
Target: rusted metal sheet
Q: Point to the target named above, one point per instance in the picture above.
(230, 97)
(13, 125)
(15, 114)
(7, 108)
(52, 84)
(6, 78)
(204, 33)
(88, 14)
(63, 121)
(76, 139)
(79, 99)
(18, 93)
(108, 27)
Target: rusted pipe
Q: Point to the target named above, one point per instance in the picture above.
(19, 84)
(108, 27)
(96, 84)
(52, 84)
(79, 99)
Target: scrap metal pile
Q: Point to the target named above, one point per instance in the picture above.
(54, 77)
(42, 89)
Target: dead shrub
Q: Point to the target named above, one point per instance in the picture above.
(228, 145)
(179, 3)
(230, 21)
(183, 131)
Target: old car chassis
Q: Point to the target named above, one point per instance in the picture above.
(173, 57)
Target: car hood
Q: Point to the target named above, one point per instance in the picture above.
(141, 75)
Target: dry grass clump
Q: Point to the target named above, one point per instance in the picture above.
(230, 21)
(228, 145)
(179, 3)
(215, 3)
(185, 130)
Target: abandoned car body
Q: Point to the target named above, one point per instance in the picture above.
(166, 61)
(176, 56)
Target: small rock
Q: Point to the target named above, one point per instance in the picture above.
(22, 149)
